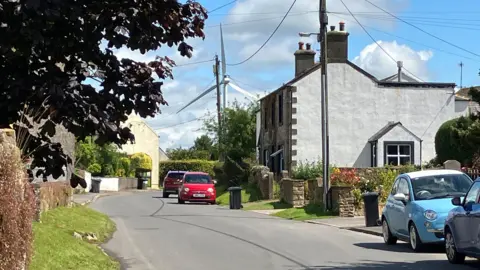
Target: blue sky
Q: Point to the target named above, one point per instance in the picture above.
(248, 23)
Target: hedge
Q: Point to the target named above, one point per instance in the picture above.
(196, 165)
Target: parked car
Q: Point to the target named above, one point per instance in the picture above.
(197, 187)
(172, 182)
(462, 227)
(418, 205)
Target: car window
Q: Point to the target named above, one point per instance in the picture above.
(440, 186)
(197, 179)
(176, 175)
(403, 187)
(472, 194)
(394, 187)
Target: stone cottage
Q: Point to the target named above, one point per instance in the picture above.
(371, 121)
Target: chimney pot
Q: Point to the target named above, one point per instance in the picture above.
(342, 26)
(332, 27)
(309, 46)
(300, 45)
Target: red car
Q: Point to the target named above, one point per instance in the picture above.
(197, 187)
(172, 182)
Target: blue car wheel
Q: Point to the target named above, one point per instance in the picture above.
(388, 238)
(414, 239)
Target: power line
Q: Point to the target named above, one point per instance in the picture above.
(409, 40)
(426, 32)
(376, 42)
(186, 122)
(222, 6)
(194, 63)
(273, 33)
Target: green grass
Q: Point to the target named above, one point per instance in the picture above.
(311, 211)
(249, 194)
(55, 247)
(266, 205)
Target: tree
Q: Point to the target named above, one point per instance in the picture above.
(50, 53)
(238, 130)
(204, 143)
(187, 153)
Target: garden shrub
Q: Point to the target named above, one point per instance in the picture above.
(308, 170)
(17, 207)
(141, 161)
(453, 140)
(95, 169)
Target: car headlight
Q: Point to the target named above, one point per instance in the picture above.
(186, 189)
(430, 214)
(210, 190)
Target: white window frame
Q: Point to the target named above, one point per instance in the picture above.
(398, 155)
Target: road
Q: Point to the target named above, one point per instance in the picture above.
(156, 233)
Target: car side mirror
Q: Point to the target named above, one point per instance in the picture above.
(214, 182)
(400, 197)
(457, 201)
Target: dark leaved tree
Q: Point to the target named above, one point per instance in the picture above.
(50, 48)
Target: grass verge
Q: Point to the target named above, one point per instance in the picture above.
(311, 211)
(266, 205)
(249, 194)
(55, 247)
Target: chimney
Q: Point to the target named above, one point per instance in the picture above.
(399, 74)
(337, 44)
(304, 58)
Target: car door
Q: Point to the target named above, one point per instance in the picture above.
(401, 207)
(390, 208)
(474, 224)
(465, 234)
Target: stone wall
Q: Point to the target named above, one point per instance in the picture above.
(263, 179)
(293, 192)
(343, 201)
(314, 191)
(50, 195)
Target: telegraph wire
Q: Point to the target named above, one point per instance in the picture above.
(185, 122)
(374, 40)
(270, 37)
(222, 6)
(420, 29)
(194, 63)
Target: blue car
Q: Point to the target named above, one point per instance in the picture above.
(462, 227)
(418, 205)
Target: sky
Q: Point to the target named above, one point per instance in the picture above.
(449, 36)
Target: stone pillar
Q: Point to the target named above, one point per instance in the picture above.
(452, 165)
(298, 193)
(343, 201)
(270, 180)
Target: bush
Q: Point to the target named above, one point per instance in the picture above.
(17, 207)
(141, 161)
(452, 142)
(125, 165)
(308, 170)
(95, 169)
(187, 165)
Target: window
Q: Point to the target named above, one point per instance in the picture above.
(440, 186)
(403, 187)
(281, 161)
(398, 153)
(197, 179)
(472, 195)
(265, 157)
(273, 113)
(175, 175)
(394, 188)
(265, 119)
(280, 109)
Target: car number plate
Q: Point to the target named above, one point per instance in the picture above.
(199, 195)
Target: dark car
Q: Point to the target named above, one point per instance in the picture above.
(172, 182)
(462, 226)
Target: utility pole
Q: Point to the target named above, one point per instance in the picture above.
(461, 74)
(219, 114)
(322, 38)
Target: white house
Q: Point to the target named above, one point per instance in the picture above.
(371, 122)
(146, 141)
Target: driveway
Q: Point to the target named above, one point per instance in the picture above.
(156, 233)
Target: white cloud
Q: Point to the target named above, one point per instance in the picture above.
(247, 37)
(374, 60)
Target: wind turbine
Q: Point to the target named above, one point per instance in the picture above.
(225, 82)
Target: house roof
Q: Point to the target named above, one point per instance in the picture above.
(403, 78)
(382, 83)
(387, 129)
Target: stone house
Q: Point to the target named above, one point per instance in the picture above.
(371, 122)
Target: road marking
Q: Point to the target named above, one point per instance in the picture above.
(122, 229)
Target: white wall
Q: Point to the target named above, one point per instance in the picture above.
(358, 108)
(108, 183)
(461, 107)
(88, 180)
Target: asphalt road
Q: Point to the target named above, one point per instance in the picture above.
(155, 233)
